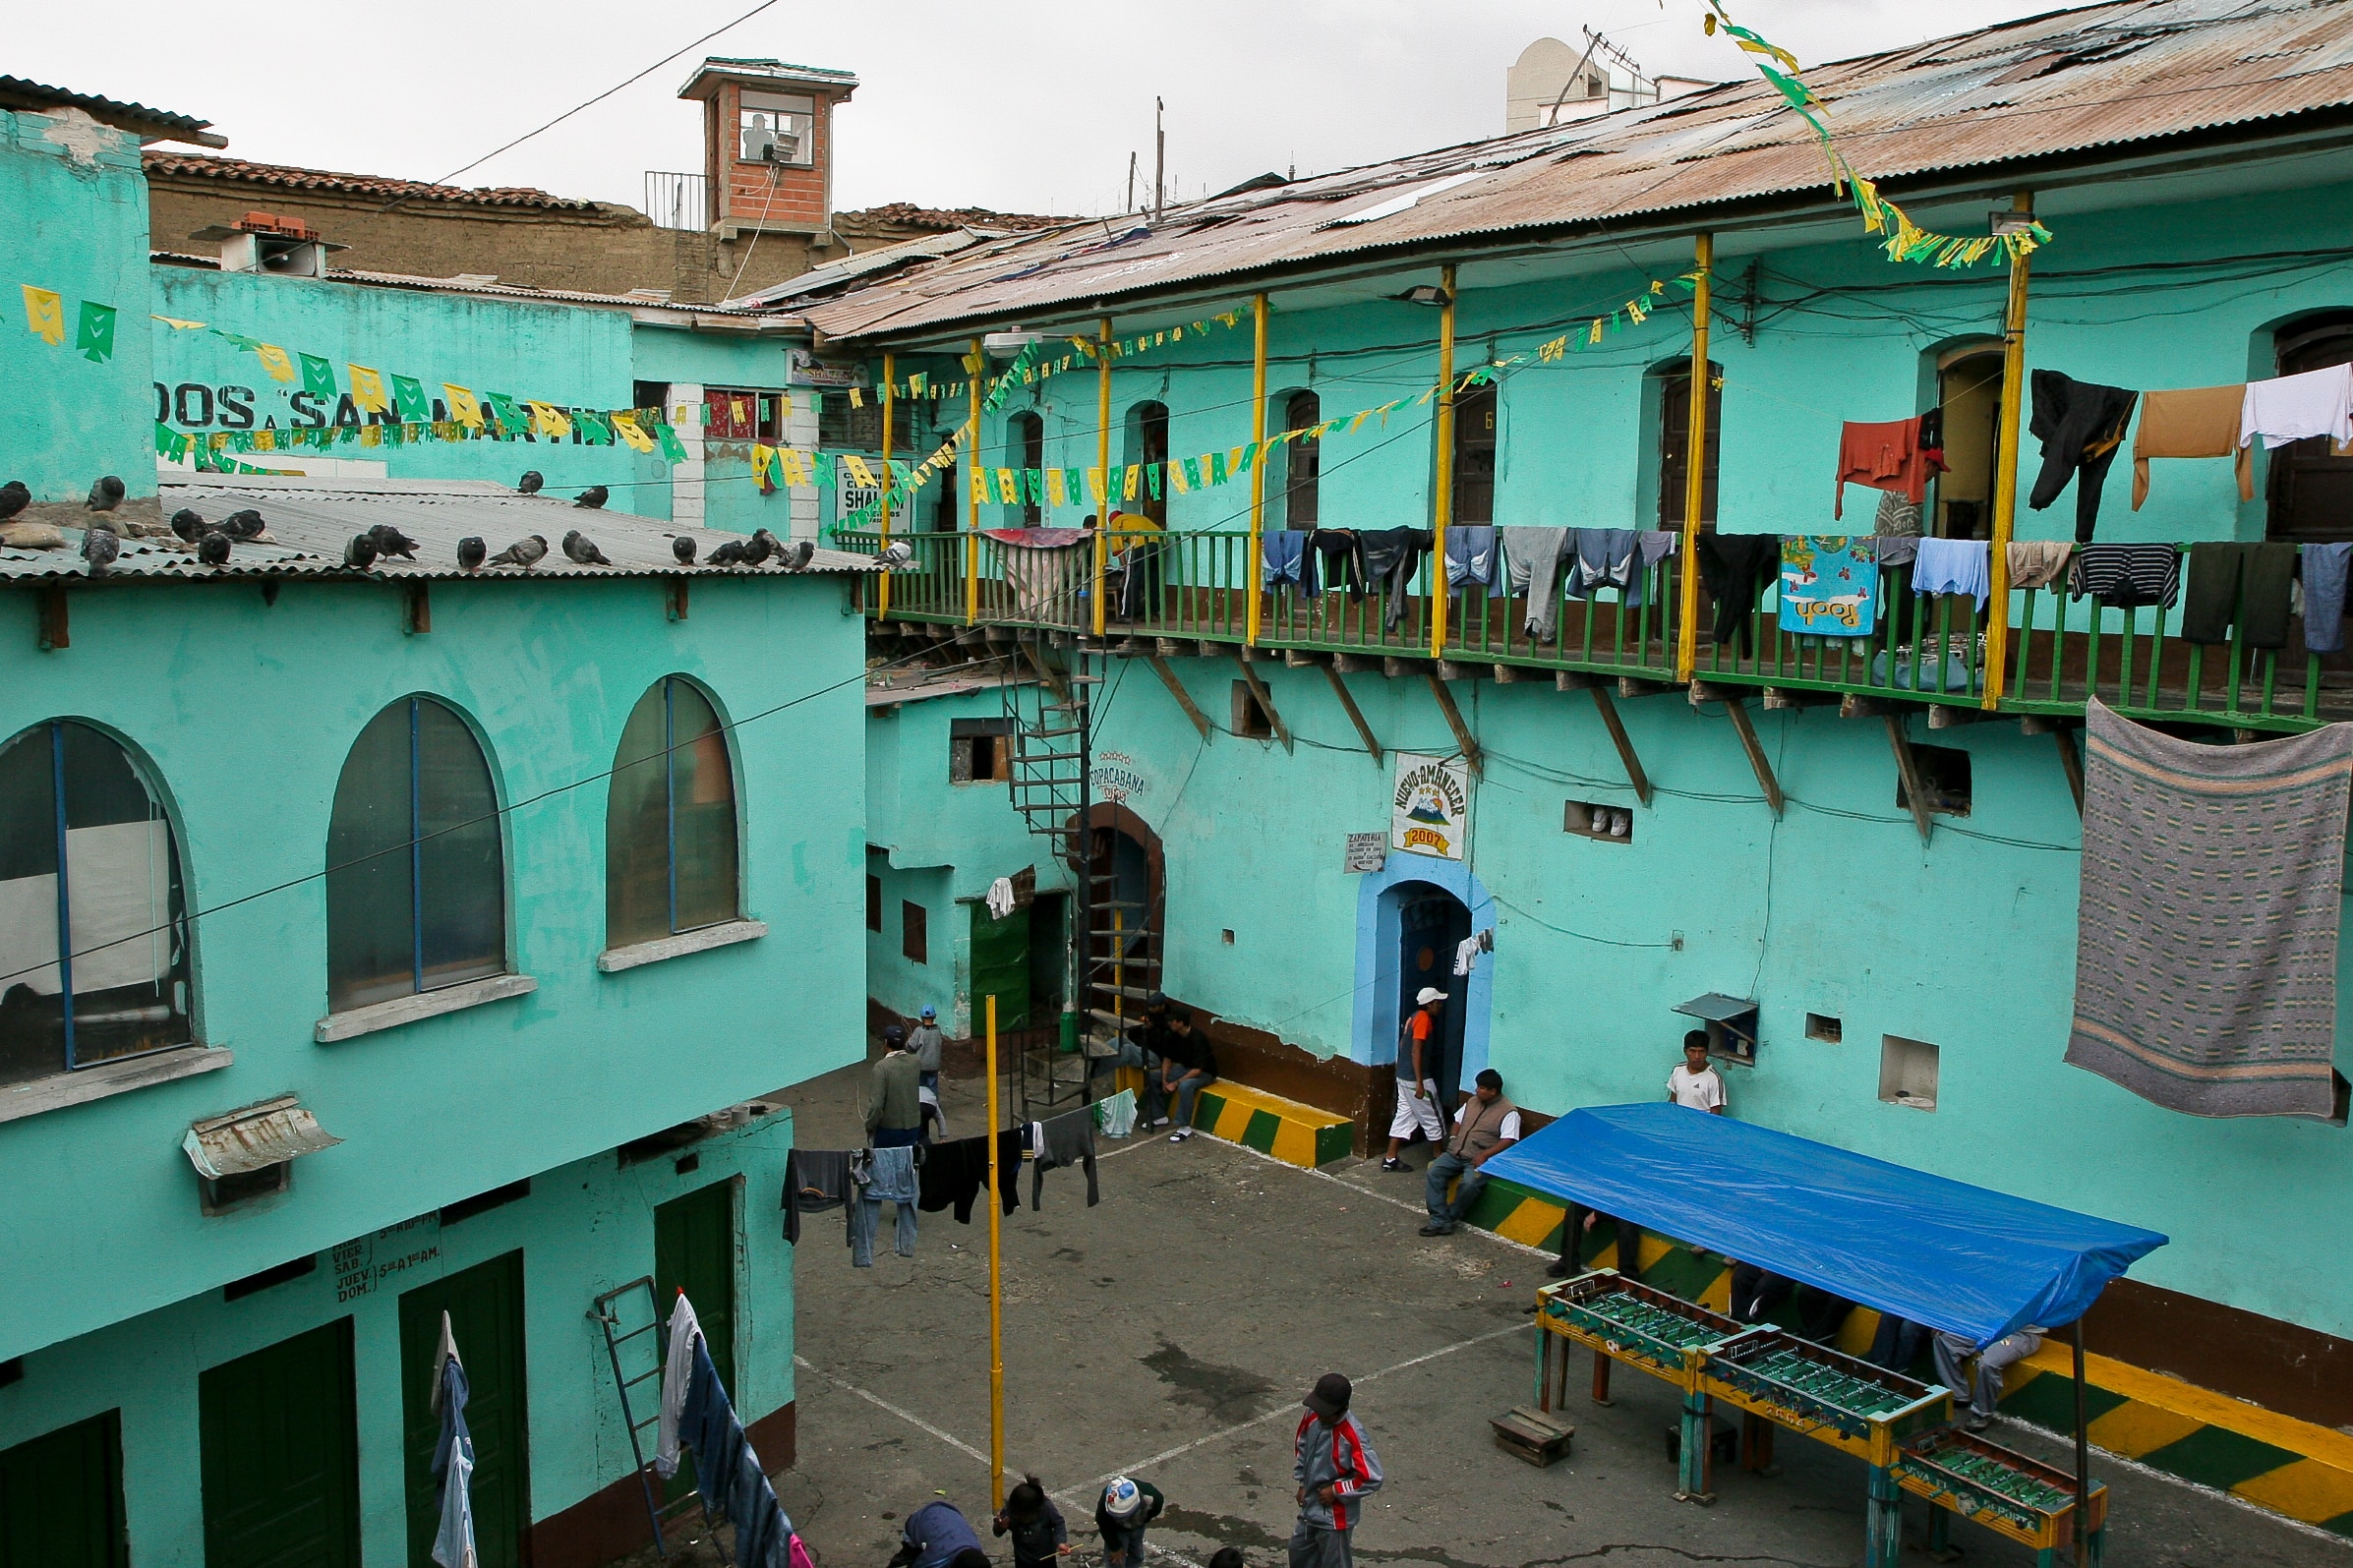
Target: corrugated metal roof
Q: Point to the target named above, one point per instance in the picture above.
(260, 1135)
(310, 521)
(2119, 75)
(19, 93)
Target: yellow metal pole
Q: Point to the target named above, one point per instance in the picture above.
(996, 1295)
(1102, 464)
(2005, 472)
(889, 371)
(972, 491)
(1441, 503)
(1696, 458)
(1258, 459)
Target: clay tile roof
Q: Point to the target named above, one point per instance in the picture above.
(373, 186)
(907, 215)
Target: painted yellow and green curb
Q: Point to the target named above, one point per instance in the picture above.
(1285, 1130)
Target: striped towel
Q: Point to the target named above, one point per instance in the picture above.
(2126, 576)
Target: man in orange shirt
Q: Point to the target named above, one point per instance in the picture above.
(1417, 1079)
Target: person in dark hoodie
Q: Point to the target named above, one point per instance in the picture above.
(1030, 1516)
(937, 1535)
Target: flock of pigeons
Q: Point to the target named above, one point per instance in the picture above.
(213, 540)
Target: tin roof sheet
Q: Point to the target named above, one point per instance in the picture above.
(2121, 74)
(311, 520)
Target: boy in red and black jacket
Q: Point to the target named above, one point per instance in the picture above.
(1334, 1467)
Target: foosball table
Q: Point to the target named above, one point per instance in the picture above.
(1623, 1320)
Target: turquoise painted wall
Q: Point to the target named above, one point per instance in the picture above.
(77, 224)
(731, 501)
(586, 1228)
(245, 712)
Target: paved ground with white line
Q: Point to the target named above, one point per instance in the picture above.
(1169, 1333)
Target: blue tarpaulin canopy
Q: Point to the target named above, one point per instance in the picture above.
(1967, 1259)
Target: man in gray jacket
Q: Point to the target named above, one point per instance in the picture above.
(924, 1042)
(1334, 1467)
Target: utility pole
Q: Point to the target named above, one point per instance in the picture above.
(1131, 206)
(1159, 161)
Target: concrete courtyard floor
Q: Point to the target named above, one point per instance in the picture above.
(1169, 1333)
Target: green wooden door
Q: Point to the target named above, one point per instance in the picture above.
(1001, 969)
(278, 1438)
(694, 1251)
(61, 1499)
(484, 1305)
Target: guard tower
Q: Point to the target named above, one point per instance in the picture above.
(768, 145)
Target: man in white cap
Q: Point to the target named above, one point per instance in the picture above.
(1121, 1514)
(1334, 1467)
(1417, 1079)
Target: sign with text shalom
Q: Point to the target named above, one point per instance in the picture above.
(1430, 811)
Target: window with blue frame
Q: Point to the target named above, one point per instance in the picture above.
(94, 933)
(416, 862)
(670, 822)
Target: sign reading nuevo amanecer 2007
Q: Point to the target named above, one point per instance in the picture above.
(1431, 811)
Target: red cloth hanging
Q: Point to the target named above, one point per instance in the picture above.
(1898, 455)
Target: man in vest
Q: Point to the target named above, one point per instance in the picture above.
(1485, 1123)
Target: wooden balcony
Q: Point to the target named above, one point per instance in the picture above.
(1926, 650)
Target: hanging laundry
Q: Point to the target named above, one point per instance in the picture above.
(1467, 951)
(1471, 558)
(1000, 899)
(1393, 555)
(2037, 562)
(1532, 559)
(2235, 582)
(677, 1369)
(2126, 576)
(728, 1472)
(816, 1180)
(452, 1457)
(1037, 562)
(2080, 425)
(1343, 560)
(2202, 421)
(2291, 408)
(2323, 567)
(1891, 456)
(1284, 557)
(1601, 558)
(1954, 567)
(1736, 569)
(955, 1172)
(878, 1177)
(1116, 1115)
(1066, 1140)
(1829, 585)
(1896, 550)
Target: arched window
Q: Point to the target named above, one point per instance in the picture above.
(1025, 444)
(416, 864)
(1147, 444)
(2311, 499)
(670, 822)
(94, 936)
(1673, 383)
(1303, 459)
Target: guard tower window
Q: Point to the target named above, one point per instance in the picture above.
(777, 128)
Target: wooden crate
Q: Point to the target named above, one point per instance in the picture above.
(1534, 1436)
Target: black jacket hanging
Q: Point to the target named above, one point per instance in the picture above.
(2080, 425)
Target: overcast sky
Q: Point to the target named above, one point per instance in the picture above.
(1031, 106)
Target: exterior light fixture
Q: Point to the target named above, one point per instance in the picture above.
(1425, 294)
(1012, 342)
(2008, 222)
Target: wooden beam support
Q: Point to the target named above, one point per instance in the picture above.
(1608, 709)
(1398, 668)
(2071, 762)
(1629, 686)
(1173, 648)
(1046, 672)
(1258, 690)
(2041, 723)
(1355, 665)
(1507, 674)
(1305, 658)
(55, 626)
(1578, 681)
(1339, 689)
(1908, 767)
(1176, 689)
(1851, 706)
(1777, 698)
(1462, 731)
(417, 617)
(1944, 715)
(1455, 670)
(1735, 708)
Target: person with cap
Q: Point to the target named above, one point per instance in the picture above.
(937, 1535)
(894, 1105)
(1334, 1467)
(924, 1045)
(1417, 1079)
(1121, 1514)
(1485, 1124)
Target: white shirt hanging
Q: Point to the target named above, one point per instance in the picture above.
(2290, 408)
(1000, 897)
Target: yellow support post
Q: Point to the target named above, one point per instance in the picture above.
(1102, 464)
(1441, 502)
(1258, 460)
(974, 479)
(883, 589)
(2005, 473)
(1696, 457)
(996, 1294)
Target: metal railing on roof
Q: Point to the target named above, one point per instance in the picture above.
(675, 200)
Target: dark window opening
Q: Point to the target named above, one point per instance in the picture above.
(873, 903)
(220, 1194)
(1026, 447)
(1304, 461)
(2310, 490)
(1475, 415)
(1251, 721)
(650, 397)
(670, 820)
(915, 943)
(1674, 440)
(1822, 1027)
(1944, 779)
(1970, 391)
(945, 516)
(1147, 444)
(743, 413)
(237, 1289)
(841, 428)
(1908, 1073)
(1593, 820)
(465, 1208)
(980, 751)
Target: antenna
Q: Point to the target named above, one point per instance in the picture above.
(1159, 161)
(1131, 206)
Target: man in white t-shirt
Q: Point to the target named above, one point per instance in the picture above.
(1693, 1082)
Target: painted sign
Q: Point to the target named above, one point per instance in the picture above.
(1430, 810)
(1117, 777)
(374, 1262)
(849, 494)
(804, 369)
(1366, 851)
(1829, 585)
